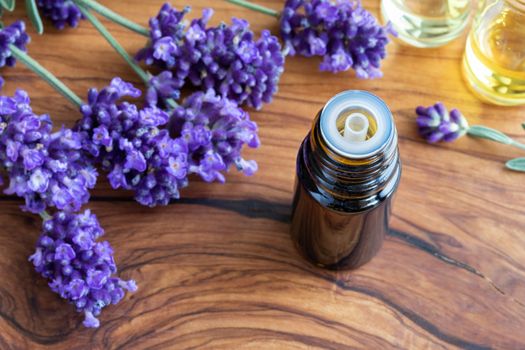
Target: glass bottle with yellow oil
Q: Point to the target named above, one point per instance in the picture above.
(348, 169)
(427, 23)
(494, 60)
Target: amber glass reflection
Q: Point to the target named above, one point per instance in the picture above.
(342, 206)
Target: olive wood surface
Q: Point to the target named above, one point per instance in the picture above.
(218, 270)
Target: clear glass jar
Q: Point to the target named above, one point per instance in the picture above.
(494, 60)
(427, 23)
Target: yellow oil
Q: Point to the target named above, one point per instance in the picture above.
(494, 61)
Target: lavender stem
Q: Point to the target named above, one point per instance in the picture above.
(115, 44)
(46, 75)
(255, 7)
(45, 215)
(113, 16)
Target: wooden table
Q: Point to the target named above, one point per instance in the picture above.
(218, 270)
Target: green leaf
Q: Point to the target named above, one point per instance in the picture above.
(34, 16)
(489, 134)
(517, 164)
(523, 125)
(9, 5)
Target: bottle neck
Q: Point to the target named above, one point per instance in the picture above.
(359, 183)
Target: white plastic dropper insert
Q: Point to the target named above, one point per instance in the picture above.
(356, 127)
(352, 142)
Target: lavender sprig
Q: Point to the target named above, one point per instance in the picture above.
(133, 145)
(129, 144)
(51, 172)
(207, 134)
(79, 269)
(436, 123)
(343, 33)
(225, 58)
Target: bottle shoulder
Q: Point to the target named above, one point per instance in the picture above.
(330, 196)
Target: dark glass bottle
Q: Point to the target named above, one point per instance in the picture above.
(344, 187)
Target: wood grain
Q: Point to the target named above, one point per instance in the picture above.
(218, 269)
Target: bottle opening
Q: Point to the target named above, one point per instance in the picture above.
(356, 127)
(352, 116)
(356, 124)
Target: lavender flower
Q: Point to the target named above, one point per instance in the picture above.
(436, 124)
(225, 58)
(135, 148)
(344, 33)
(237, 66)
(162, 87)
(79, 268)
(129, 144)
(167, 31)
(60, 12)
(215, 130)
(46, 169)
(14, 34)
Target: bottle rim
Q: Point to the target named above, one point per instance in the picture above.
(356, 99)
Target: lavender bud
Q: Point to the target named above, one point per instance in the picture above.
(436, 124)
(60, 12)
(14, 34)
